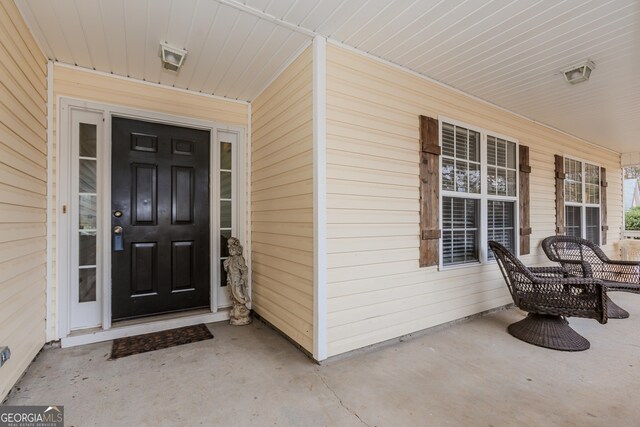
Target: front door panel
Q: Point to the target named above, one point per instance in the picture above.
(160, 218)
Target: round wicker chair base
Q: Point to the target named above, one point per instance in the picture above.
(614, 311)
(548, 331)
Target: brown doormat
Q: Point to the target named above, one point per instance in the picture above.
(123, 347)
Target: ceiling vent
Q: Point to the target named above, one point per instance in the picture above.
(579, 73)
(172, 57)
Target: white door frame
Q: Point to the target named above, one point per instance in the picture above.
(64, 227)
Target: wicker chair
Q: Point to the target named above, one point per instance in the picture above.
(549, 296)
(583, 258)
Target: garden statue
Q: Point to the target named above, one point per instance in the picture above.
(237, 273)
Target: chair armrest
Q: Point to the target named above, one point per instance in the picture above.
(549, 271)
(623, 262)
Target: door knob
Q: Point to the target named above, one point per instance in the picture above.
(117, 214)
(117, 230)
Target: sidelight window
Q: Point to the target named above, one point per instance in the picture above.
(79, 214)
(226, 204)
(87, 212)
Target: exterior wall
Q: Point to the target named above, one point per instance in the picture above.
(80, 84)
(282, 202)
(23, 194)
(376, 291)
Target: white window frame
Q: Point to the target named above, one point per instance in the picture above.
(483, 196)
(583, 205)
(231, 137)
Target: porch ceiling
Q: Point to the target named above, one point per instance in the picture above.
(508, 52)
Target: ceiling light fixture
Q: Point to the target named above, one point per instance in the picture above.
(172, 57)
(578, 73)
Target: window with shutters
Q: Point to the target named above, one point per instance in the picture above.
(582, 199)
(479, 183)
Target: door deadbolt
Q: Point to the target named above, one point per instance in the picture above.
(117, 214)
(118, 245)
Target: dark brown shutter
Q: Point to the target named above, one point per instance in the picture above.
(525, 223)
(603, 205)
(429, 192)
(560, 195)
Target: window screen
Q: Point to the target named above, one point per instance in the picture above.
(501, 224)
(460, 218)
(573, 221)
(592, 224)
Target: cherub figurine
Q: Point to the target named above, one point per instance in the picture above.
(237, 272)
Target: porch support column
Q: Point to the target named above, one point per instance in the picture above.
(319, 199)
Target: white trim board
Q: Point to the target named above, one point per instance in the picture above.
(319, 198)
(65, 104)
(94, 335)
(248, 219)
(62, 238)
(49, 333)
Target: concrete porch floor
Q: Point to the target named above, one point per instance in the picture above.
(468, 374)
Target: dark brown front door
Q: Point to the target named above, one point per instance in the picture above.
(159, 218)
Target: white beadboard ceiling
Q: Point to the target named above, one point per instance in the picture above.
(508, 52)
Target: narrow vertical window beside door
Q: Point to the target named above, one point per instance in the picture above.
(226, 204)
(81, 182)
(87, 215)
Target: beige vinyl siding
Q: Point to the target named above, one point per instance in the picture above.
(23, 195)
(85, 85)
(282, 202)
(376, 291)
